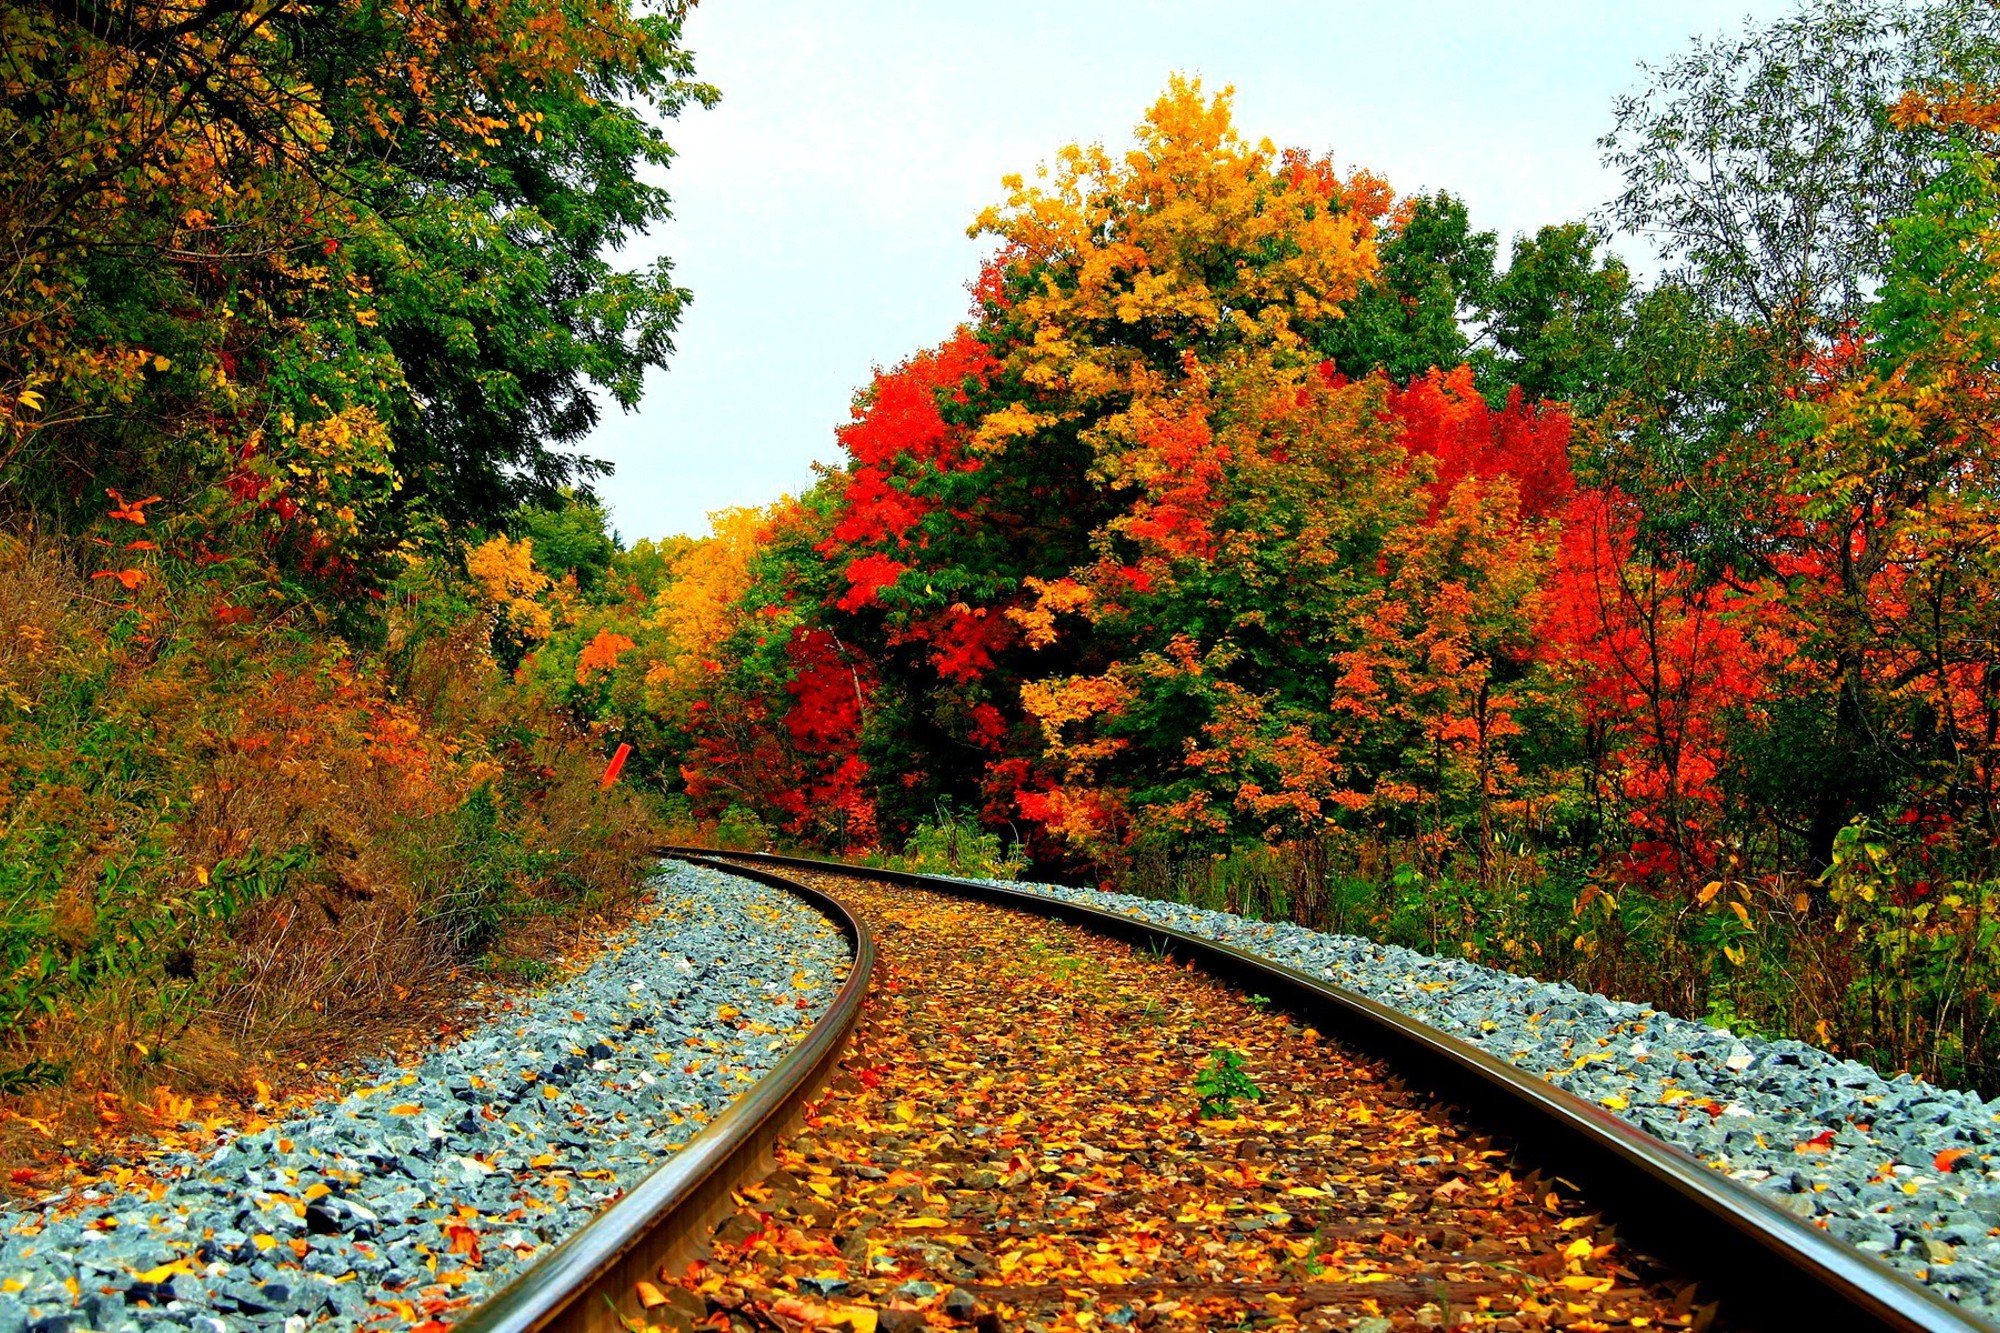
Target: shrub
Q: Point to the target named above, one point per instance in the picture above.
(229, 841)
(953, 847)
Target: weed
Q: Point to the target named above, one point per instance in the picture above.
(530, 970)
(1041, 959)
(951, 846)
(32, 1075)
(1222, 1082)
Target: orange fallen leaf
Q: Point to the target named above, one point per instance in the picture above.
(132, 511)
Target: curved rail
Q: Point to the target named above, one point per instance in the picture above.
(1769, 1268)
(590, 1281)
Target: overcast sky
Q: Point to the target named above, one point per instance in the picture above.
(822, 207)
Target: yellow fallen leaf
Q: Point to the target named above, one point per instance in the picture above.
(1585, 1282)
(405, 1108)
(650, 1295)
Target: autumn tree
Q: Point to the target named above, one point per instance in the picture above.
(260, 268)
(1896, 499)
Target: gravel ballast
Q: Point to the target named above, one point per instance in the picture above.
(412, 1198)
(1829, 1139)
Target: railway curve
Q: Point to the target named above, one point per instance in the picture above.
(1763, 1266)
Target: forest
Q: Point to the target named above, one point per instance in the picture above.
(1264, 537)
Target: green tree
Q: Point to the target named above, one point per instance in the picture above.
(571, 538)
(1765, 167)
(1436, 274)
(259, 268)
(1555, 319)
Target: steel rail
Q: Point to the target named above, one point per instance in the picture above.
(590, 1281)
(1768, 1268)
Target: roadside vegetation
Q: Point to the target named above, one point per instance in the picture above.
(291, 336)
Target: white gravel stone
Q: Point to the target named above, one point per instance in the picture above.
(503, 1143)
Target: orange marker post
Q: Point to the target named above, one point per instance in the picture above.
(614, 768)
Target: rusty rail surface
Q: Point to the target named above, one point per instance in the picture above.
(589, 1282)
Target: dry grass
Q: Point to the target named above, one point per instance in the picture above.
(235, 855)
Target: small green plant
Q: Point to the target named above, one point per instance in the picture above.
(1260, 1002)
(951, 846)
(1722, 1013)
(1055, 964)
(1310, 1264)
(740, 830)
(32, 1075)
(1222, 1083)
(530, 970)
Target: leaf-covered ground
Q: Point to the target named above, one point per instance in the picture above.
(1016, 1140)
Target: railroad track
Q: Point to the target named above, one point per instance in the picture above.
(1676, 1222)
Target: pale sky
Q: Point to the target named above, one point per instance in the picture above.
(821, 208)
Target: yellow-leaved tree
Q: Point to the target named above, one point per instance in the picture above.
(698, 607)
(1197, 249)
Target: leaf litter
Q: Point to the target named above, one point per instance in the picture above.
(1039, 1129)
